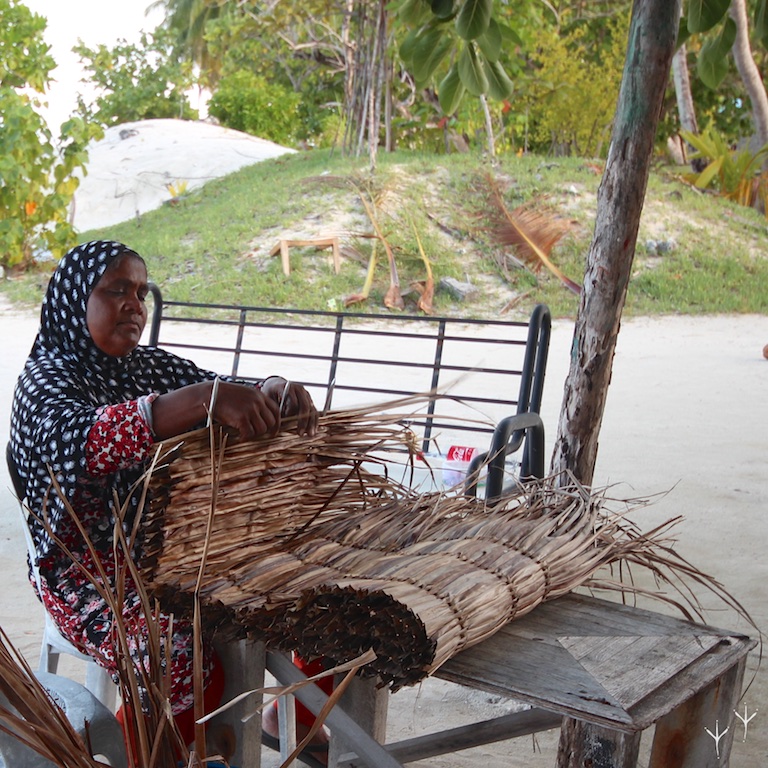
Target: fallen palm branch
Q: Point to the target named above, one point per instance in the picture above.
(310, 550)
(531, 230)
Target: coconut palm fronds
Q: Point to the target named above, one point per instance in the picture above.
(28, 712)
(531, 230)
(311, 551)
(152, 740)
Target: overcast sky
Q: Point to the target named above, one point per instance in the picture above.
(94, 22)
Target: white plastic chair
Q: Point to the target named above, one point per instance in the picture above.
(97, 726)
(97, 679)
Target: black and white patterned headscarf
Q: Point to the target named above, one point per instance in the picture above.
(67, 378)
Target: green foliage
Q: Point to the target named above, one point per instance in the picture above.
(726, 109)
(24, 54)
(712, 66)
(760, 22)
(188, 22)
(736, 175)
(261, 44)
(459, 44)
(140, 81)
(247, 102)
(37, 177)
(704, 14)
(572, 99)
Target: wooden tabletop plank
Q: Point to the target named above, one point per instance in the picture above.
(631, 668)
(599, 661)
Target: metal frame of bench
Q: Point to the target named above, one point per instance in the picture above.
(518, 350)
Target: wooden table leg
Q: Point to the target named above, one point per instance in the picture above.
(285, 258)
(583, 744)
(243, 663)
(699, 733)
(368, 705)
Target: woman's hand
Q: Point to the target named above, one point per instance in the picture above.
(251, 411)
(292, 400)
(248, 410)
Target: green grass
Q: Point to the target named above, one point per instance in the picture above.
(213, 246)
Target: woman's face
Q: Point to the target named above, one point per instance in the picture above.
(116, 312)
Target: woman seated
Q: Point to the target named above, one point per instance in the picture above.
(87, 410)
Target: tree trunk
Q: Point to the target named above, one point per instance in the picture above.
(651, 45)
(682, 80)
(488, 126)
(364, 90)
(750, 75)
(685, 108)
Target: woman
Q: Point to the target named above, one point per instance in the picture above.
(88, 408)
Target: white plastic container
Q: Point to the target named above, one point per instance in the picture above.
(456, 464)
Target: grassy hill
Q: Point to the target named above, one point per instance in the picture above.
(696, 253)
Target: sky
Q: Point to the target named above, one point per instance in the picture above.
(94, 22)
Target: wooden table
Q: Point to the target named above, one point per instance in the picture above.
(600, 671)
(603, 673)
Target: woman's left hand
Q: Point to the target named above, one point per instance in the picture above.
(293, 400)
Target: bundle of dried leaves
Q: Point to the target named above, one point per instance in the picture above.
(308, 549)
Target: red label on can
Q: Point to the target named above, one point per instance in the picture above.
(461, 453)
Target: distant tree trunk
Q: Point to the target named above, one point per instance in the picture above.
(682, 80)
(685, 108)
(366, 77)
(488, 126)
(750, 75)
(652, 35)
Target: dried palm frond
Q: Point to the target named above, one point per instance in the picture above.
(311, 551)
(427, 289)
(153, 740)
(357, 298)
(33, 717)
(531, 230)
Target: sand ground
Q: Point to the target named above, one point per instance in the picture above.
(685, 424)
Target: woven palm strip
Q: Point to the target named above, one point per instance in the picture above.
(311, 552)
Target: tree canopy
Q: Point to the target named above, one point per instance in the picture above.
(37, 174)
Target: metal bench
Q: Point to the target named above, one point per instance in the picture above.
(490, 370)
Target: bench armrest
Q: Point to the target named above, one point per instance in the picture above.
(507, 438)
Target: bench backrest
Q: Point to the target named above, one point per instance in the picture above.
(490, 368)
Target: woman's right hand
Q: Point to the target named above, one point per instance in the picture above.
(249, 411)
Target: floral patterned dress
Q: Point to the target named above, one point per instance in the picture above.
(85, 418)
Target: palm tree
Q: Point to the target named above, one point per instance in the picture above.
(189, 19)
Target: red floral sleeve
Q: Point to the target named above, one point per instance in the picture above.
(120, 437)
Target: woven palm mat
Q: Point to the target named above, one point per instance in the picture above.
(310, 551)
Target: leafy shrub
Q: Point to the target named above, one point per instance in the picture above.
(137, 82)
(247, 102)
(736, 174)
(37, 177)
(572, 98)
